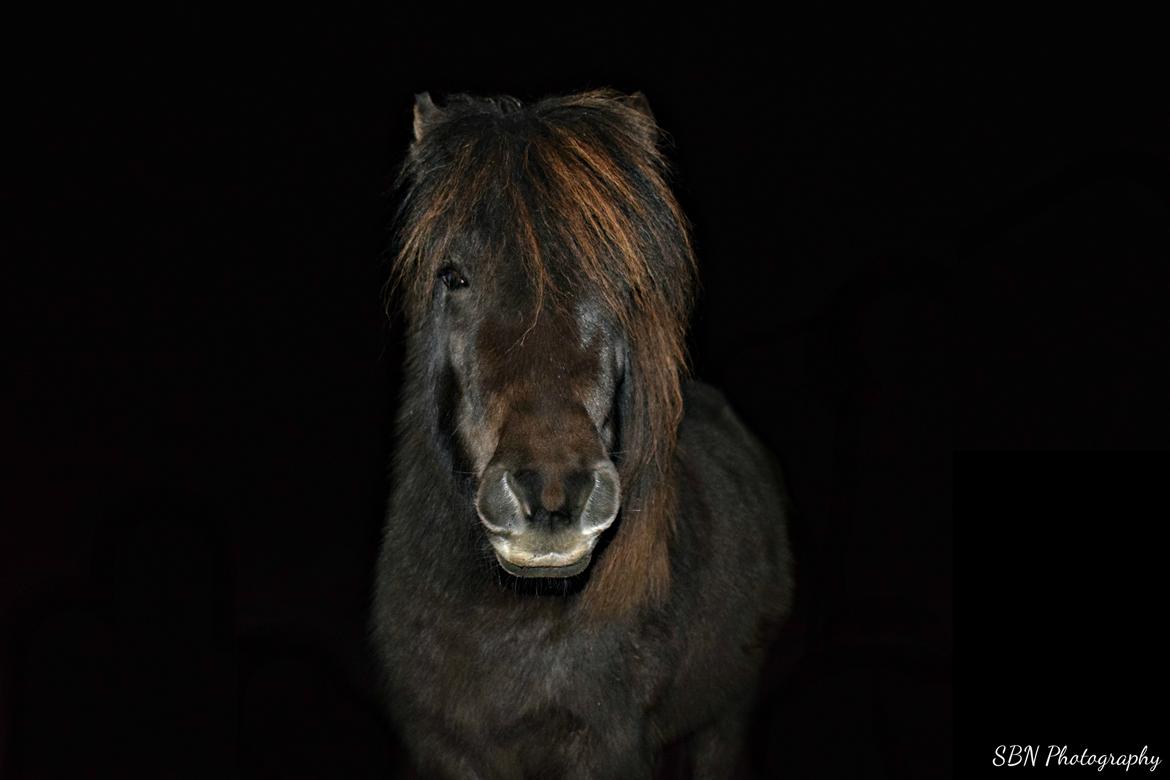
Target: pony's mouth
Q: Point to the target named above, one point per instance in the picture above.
(544, 570)
(562, 554)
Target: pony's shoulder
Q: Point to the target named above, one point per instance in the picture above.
(703, 401)
(707, 416)
(710, 428)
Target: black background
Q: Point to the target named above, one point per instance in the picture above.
(1060, 599)
(887, 207)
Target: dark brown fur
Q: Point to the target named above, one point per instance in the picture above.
(547, 276)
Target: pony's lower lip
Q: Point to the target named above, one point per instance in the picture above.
(576, 567)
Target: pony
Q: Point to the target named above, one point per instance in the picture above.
(585, 554)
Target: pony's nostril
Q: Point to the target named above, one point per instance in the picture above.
(527, 484)
(500, 503)
(519, 491)
(603, 498)
(510, 502)
(551, 493)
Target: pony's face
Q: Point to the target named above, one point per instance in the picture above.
(548, 275)
(532, 392)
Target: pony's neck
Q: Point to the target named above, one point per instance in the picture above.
(434, 519)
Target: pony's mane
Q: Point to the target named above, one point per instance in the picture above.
(576, 188)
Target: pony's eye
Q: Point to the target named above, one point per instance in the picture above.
(452, 278)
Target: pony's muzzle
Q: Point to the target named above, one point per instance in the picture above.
(546, 522)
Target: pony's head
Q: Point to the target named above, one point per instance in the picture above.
(547, 275)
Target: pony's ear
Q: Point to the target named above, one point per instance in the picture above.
(426, 115)
(648, 125)
(639, 103)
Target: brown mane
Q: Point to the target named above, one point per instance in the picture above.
(576, 187)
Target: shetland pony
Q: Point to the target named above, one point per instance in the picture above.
(585, 556)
